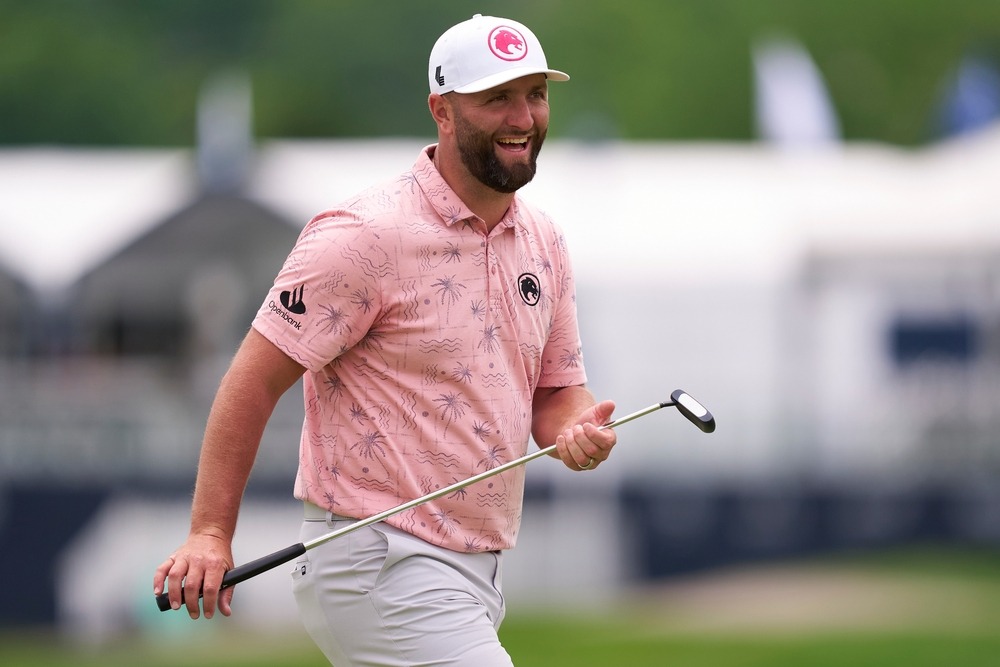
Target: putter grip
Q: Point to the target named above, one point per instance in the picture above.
(246, 571)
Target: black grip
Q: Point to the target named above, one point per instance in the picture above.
(246, 571)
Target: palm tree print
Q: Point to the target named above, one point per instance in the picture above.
(409, 179)
(452, 406)
(449, 289)
(492, 459)
(462, 373)
(367, 445)
(488, 342)
(569, 359)
(334, 386)
(481, 431)
(453, 214)
(327, 472)
(358, 413)
(445, 522)
(478, 310)
(334, 320)
(544, 265)
(362, 299)
(372, 341)
(452, 253)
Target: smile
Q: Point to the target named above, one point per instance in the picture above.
(514, 144)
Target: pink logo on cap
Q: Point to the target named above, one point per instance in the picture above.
(507, 43)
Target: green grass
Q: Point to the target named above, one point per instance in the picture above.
(583, 643)
(538, 642)
(956, 622)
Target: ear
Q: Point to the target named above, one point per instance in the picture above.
(441, 111)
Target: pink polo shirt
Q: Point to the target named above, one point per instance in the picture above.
(424, 339)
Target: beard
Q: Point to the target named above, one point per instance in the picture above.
(478, 153)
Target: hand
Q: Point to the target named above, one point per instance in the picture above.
(197, 566)
(584, 446)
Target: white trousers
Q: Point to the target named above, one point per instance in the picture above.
(381, 597)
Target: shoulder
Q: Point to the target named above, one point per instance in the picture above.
(378, 206)
(539, 223)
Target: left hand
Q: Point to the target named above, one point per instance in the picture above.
(584, 445)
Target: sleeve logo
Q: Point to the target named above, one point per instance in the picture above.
(292, 301)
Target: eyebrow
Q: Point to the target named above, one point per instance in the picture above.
(507, 89)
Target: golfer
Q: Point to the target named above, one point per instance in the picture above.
(433, 320)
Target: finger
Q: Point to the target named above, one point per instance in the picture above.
(602, 438)
(583, 453)
(160, 576)
(572, 452)
(563, 450)
(226, 601)
(215, 568)
(603, 411)
(192, 587)
(211, 589)
(209, 599)
(175, 582)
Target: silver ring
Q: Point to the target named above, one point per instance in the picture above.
(589, 463)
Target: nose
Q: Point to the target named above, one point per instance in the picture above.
(520, 114)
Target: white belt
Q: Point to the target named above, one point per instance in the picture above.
(313, 512)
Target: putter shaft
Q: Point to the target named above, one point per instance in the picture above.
(392, 511)
(691, 409)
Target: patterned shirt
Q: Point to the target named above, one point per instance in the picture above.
(424, 338)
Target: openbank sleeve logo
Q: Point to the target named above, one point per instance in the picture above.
(292, 301)
(507, 43)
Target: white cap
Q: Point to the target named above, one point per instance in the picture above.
(484, 52)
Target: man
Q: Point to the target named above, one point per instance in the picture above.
(434, 320)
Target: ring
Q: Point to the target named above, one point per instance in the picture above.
(589, 463)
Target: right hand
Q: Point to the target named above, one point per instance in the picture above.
(197, 566)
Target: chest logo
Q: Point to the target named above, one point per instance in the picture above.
(527, 285)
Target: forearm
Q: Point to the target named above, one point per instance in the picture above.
(556, 409)
(232, 437)
(258, 377)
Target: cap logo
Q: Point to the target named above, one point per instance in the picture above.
(507, 43)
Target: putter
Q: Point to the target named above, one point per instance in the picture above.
(694, 411)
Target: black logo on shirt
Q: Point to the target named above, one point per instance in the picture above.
(527, 285)
(292, 301)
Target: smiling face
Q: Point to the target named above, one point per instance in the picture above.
(499, 132)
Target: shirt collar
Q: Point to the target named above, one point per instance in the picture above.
(444, 200)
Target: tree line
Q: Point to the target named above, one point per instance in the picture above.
(128, 72)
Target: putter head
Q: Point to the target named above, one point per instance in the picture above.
(696, 413)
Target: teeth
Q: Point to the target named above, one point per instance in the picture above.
(522, 140)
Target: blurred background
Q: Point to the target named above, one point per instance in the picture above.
(788, 208)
